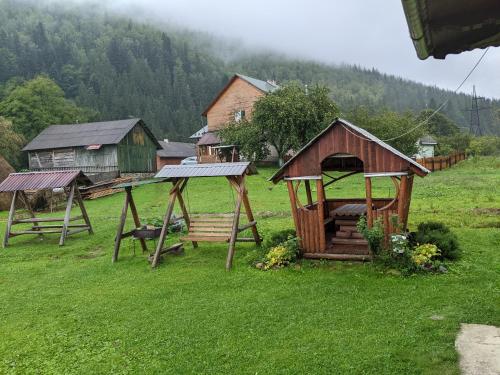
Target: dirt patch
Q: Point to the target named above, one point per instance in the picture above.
(479, 349)
(487, 224)
(268, 214)
(486, 211)
(97, 252)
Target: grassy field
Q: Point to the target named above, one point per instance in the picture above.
(69, 310)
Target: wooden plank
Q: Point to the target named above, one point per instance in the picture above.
(246, 226)
(308, 192)
(209, 234)
(166, 220)
(19, 232)
(369, 203)
(211, 220)
(209, 229)
(250, 218)
(354, 257)
(205, 238)
(119, 231)
(210, 225)
(67, 214)
(78, 230)
(60, 226)
(10, 219)
(185, 212)
(234, 231)
(83, 210)
(293, 203)
(320, 191)
(135, 216)
(403, 191)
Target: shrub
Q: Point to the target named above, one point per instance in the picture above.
(374, 235)
(277, 238)
(280, 255)
(440, 235)
(423, 255)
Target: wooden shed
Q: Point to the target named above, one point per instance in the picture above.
(326, 226)
(102, 150)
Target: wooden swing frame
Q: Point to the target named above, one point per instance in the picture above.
(54, 225)
(211, 227)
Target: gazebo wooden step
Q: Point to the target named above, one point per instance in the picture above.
(349, 241)
(352, 257)
(346, 222)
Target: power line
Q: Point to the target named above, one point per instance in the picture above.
(437, 110)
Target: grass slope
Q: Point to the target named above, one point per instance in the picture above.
(69, 310)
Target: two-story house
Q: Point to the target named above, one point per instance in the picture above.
(233, 103)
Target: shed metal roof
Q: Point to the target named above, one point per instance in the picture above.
(350, 127)
(427, 140)
(209, 139)
(41, 180)
(441, 27)
(93, 133)
(199, 133)
(205, 170)
(176, 150)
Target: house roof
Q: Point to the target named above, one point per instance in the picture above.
(205, 170)
(42, 180)
(360, 133)
(93, 133)
(441, 27)
(263, 86)
(209, 139)
(427, 140)
(200, 132)
(176, 150)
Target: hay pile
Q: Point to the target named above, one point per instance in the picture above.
(5, 170)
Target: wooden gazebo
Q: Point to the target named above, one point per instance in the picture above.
(67, 181)
(327, 226)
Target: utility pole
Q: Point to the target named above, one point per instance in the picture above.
(475, 122)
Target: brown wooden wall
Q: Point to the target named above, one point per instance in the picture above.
(162, 161)
(240, 95)
(338, 140)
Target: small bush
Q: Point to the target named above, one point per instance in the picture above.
(440, 235)
(280, 255)
(374, 235)
(424, 254)
(277, 238)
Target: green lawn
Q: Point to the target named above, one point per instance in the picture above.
(69, 310)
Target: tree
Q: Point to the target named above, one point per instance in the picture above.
(285, 119)
(10, 141)
(38, 103)
(398, 130)
(438, 124)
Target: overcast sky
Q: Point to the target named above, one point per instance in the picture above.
(364, 32)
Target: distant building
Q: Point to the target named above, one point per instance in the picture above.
(233, 103)
(103, 150)
(172, 153)
(426, 146)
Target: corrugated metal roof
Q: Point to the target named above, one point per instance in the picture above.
(93, 133)
(204, 170)
(427, 140)
(441, 27)
(365, 134)
(265, 86)
(209, 139)
(199, 133)
(176, 150)
(41, 180)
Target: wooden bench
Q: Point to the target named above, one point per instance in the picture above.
(213, 228)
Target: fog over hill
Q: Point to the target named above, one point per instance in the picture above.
(151, 61)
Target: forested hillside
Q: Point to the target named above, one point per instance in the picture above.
(120, 68)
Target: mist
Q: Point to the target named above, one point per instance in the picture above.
(366, 33)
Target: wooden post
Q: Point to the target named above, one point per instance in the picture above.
(369, 202)
(166, 220)
(293, 203)
(64, 230)
(10, 219)
(234, 231)
(135, 216)
(185, 213)
(121, 226)
(248, 211)
(408, 200)
(83, 210)
(403, 193)
(308, 193)
(26, 201)
(321, 214)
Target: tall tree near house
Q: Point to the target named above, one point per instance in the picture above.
(285, 119)
(10, 142)
(38, 103)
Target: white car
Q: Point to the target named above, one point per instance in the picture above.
(189, 160)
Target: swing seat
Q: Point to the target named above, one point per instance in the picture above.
(210, 228)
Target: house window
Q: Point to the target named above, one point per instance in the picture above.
(239, 115)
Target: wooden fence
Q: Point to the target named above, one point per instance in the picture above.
(438, 163)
